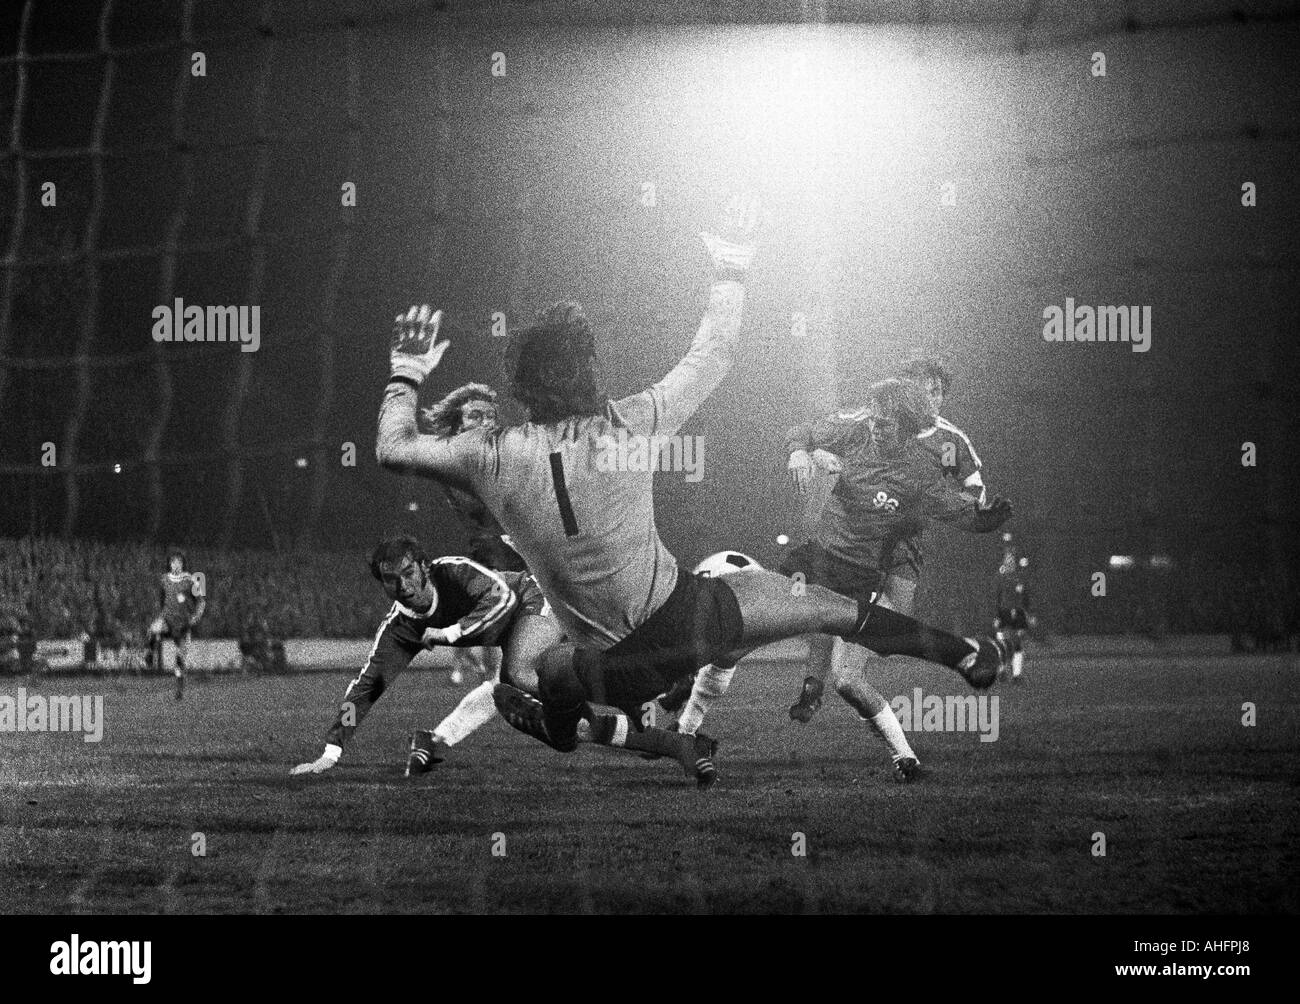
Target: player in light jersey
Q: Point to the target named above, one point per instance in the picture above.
(456, 601)
(473, 406)
(182, 598)
(585, 523)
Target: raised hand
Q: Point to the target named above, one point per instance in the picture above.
(415, 349)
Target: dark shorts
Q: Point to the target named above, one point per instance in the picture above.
(176, 629)
(698, 624)
(1013, 619)
(821, 568)
(494, 553)
(531, 600)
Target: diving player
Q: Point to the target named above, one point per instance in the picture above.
(456, 601)
(585, 525)
(182, 598)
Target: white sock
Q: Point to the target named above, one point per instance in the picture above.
(711, 683)
(886, 725)
(1017, 663)
(475, 708)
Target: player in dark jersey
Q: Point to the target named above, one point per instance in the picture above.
(473, 406)
(586, 527)
(182, 598)
(951, 447)
(867, 543)
(456, 601)
(1012, 620)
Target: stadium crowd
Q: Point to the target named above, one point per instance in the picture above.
(70, 588)
(54, 588)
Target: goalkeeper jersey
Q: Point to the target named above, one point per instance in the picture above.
(572, 495)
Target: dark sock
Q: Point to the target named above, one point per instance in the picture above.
(563, 699)
(653, 740)
(602, 729)
(891, 633)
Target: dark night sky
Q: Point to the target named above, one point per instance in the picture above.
(1124, 189)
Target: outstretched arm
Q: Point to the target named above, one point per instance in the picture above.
(941, 501)
(391, 653)
(665, 407)
(399, 446)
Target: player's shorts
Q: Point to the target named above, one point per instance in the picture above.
(698, 624)
(171, 627)
(531, 599)
(821, 568)
(1013, 619)
(495, 553)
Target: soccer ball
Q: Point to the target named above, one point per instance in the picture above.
(724, 563)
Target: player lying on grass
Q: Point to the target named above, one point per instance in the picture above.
(867, 542)
(456, 601)
(585, 523)
(473, 406)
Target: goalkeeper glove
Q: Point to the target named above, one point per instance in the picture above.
(732, 247)
(416, 350)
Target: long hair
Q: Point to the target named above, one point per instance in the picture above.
(924, 368)
(903, 401)
(394, 549)
(443, 419)
(555, 366)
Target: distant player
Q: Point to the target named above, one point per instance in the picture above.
(1012, 620)
(585, 523)
(182, 599)
(473, 406)
(456, 601)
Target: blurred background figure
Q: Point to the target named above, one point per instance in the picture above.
(1013, 619)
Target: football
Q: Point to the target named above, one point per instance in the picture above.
(724, 563)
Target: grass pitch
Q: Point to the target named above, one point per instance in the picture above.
(1199, 812)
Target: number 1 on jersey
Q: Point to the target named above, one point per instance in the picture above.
(562, 496)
